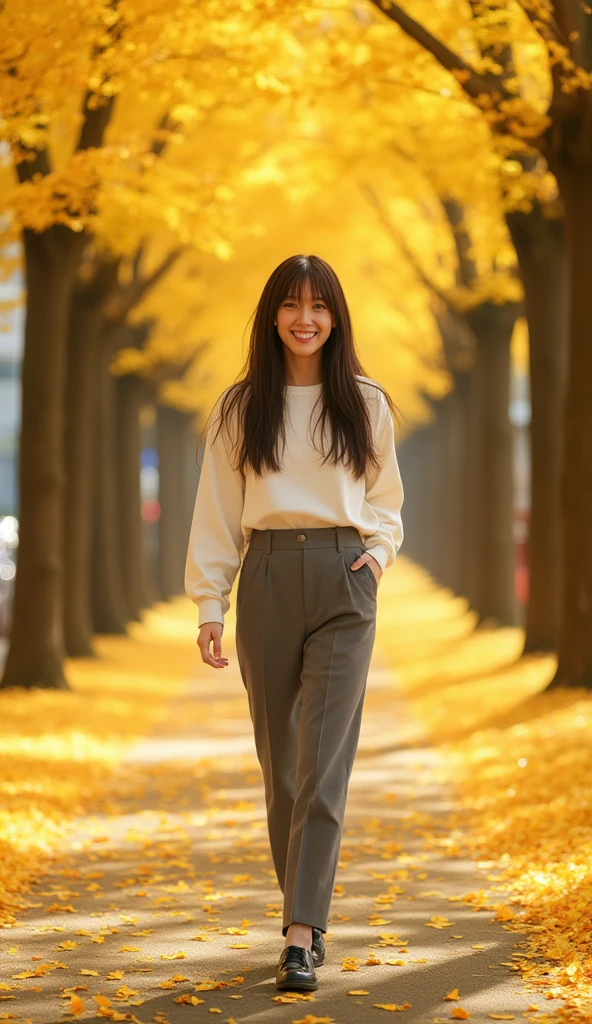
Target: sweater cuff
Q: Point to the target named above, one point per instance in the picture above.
(210, 610)
(381, 554)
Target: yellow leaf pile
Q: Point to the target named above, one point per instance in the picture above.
(57, 749)
(520, 760)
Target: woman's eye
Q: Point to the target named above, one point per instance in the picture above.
(319, 305)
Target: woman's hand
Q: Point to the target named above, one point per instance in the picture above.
(375, 566)
(209, 631)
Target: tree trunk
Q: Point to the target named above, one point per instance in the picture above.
(84, 330)
(172, 540)
(110, 609)
(429, 511)
(129, 391)
(575, 645)
(451, 467)
(468, 567)
(493, 592)
(540, 248)
(460, 516)
(35, 656)
(416, 495)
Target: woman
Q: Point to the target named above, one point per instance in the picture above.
(319, 526)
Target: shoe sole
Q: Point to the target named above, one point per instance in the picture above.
(297, 986)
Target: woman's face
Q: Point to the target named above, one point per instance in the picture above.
(304, 324)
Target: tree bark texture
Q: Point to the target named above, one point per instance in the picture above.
(35, 656)
(575, 644)
(111, 611)
(541, 251)
(83, 338)
(491, 548)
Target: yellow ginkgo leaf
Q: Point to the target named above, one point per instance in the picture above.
(453, 995)
(293, 997)
(311, 1019)
(460, 1013)
(76, 1006)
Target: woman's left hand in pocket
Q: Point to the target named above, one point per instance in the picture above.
(375, 566)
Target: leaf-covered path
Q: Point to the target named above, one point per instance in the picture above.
(163, 906)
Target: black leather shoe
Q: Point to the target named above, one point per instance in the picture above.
(318, 947)
(295, 970)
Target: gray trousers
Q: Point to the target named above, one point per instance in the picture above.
(305, 630)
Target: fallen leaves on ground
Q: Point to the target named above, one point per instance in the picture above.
(520, 760)
(59, 748)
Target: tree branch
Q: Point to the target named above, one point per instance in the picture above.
(546, 26)
(467, 270)
(472, 83)
(373, 199)
(120, 305)
(567, 22)
(27, 169)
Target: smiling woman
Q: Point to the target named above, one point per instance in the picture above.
(304, 525)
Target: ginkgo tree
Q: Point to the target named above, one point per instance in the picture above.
(64, 73)
(540, 133)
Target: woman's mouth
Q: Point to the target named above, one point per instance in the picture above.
(303, 335)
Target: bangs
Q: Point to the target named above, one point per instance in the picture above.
(318, 287)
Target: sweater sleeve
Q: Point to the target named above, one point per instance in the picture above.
(216, 538)
(384, 493)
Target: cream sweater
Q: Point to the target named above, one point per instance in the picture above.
(230, 504)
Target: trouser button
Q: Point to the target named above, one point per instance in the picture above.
(301, 536)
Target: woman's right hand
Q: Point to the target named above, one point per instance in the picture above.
(209, 631)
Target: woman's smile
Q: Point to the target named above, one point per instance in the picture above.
(304, 335)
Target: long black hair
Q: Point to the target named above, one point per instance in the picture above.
(255, 402)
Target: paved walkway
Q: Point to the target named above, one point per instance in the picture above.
(164, 906)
